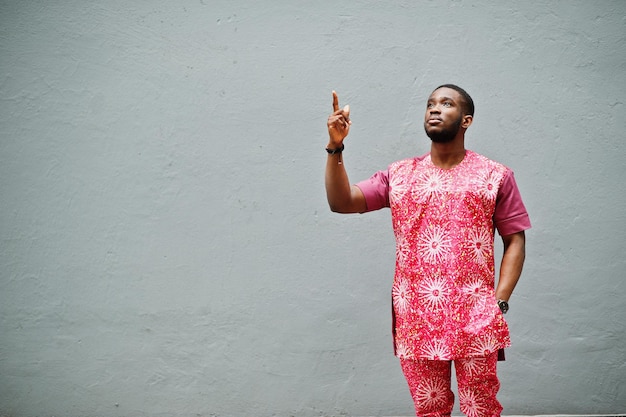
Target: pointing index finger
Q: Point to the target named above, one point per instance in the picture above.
(335, 101)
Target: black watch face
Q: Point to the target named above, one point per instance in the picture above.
(504, 306)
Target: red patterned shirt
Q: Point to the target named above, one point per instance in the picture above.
(444, 222)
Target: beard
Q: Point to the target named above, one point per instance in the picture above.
(444, 135)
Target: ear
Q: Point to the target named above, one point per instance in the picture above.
(467, 121)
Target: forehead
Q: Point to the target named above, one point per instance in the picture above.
(445, 93)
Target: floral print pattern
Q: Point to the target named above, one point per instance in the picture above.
(443, 293)
(429, 383)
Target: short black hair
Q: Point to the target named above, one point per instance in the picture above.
(468, 107)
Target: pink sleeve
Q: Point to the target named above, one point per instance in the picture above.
(376, 190)
(510, 215)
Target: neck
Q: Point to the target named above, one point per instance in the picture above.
(447, 155)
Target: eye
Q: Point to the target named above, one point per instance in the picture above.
(447, 104)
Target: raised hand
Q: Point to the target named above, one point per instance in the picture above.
(338, 123)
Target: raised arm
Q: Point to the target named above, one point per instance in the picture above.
(342, 197)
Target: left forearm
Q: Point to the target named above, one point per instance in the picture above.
(512, 264)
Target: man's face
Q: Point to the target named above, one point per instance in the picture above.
(444, 115)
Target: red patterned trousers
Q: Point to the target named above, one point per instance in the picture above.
(429, 382)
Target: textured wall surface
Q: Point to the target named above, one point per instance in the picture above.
(166, 247)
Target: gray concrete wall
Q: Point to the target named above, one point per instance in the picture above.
(166, 247)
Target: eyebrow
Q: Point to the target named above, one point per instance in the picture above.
(442, 98)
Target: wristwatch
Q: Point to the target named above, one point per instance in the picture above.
(504, 306)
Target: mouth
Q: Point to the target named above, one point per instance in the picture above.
(434, 121)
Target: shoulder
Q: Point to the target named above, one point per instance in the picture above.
(483, 163)
(408, 163)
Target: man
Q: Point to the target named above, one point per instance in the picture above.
(445, 207)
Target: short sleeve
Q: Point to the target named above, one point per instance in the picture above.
(510, 215)
(376, 190)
